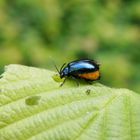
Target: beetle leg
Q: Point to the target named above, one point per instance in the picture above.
(75, 80)
(88, 81)
(63, 82)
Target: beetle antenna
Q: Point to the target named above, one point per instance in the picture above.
(56, 67)
(62, 67)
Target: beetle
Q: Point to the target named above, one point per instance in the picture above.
(86, 69)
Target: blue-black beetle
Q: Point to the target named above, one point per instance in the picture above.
(84, 69)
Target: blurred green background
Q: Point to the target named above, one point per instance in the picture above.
(38, 32)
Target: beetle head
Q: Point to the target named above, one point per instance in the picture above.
(63, 72)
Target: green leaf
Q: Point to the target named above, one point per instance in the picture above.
(33, 106)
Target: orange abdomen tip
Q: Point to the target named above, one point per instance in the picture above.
(90, 76)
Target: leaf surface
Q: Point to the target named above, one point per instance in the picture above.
(33, 106)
